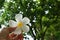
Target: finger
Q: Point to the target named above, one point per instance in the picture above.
(20, 37)
(11, 35)
(16, 37)
(11, 29)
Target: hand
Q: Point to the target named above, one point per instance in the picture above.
(4, 34)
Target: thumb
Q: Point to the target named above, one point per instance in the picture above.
(11, 29)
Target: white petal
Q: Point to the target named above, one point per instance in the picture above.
(18, 17)
(12, 23)
(17, 31)
(26, 20)
(25, 28)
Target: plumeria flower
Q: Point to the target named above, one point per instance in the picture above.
(20, 24)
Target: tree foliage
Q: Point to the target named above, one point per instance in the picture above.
(43, 14)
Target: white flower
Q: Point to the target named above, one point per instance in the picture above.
(20, 23)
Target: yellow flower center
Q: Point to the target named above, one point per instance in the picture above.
(20, 24)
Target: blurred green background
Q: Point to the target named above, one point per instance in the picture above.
(44, 16)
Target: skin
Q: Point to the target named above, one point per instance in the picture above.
(5, 34)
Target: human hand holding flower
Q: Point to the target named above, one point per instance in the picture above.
(20, 24)
(15, 29)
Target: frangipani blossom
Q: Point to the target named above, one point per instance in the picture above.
(20, 24)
